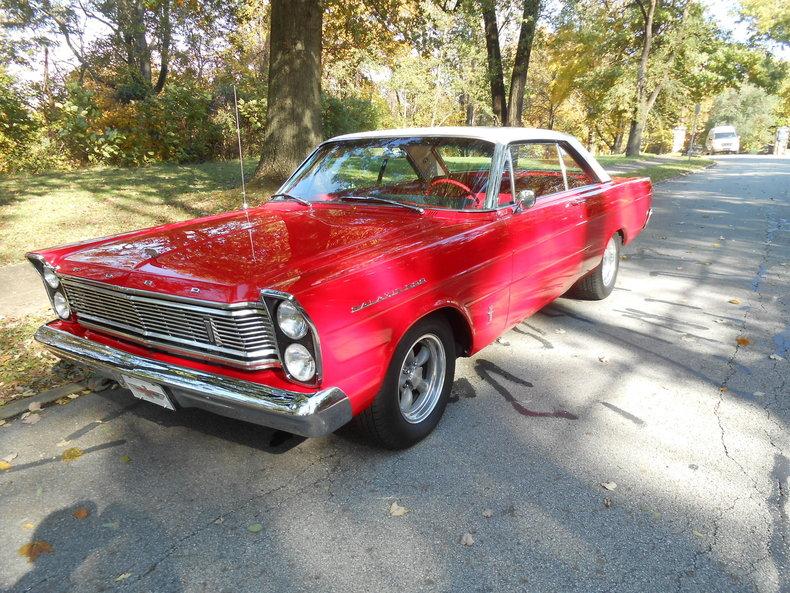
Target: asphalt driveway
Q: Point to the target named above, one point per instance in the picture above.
(636, 444)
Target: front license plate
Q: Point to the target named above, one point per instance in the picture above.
(150, 392)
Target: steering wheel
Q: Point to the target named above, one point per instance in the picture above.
(454, 182)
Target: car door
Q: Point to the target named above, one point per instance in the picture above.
(547, 239)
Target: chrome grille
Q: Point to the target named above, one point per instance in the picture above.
(240, 335)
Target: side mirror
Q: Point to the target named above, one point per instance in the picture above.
(525, 199)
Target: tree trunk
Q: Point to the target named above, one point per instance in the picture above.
(165, 34)
(518, 78)
(495, 76)
(293, 116)
(640, 104)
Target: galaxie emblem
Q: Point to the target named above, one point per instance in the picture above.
(388, 295)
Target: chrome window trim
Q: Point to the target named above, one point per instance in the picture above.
(279, 295)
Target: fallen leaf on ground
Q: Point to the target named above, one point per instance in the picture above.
(30, 418)
(34, 406)
(81, 513)
(698, 534)
(4, 465)
(62, 401)
(63, 443)
(603, 359)
(2, 422)
(488, 513)
(397, 510)
(607, 502)
(503, 342)
(467, 539)
(34, 549)
(72, 454)
(734, 301)
(255, 528)
(126, 459)
(123, 577)
(609, 485)
(743, 341)
(10, 457)
(28, 525)
(74, 395)
(723, 389)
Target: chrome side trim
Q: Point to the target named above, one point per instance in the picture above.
(647, 218)
(307, 414)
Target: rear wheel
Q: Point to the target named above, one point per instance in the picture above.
(416, 388)
(599, 283)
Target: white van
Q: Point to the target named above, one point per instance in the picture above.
(723, 139)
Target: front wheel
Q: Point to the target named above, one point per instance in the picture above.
(416, 388)
(599, 283)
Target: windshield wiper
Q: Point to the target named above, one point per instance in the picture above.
(294, 198)
(381, 201)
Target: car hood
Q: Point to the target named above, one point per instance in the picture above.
(231, 257)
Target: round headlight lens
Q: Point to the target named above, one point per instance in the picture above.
(299, 362)
(291, 321)
(61, 305)
(51, 278)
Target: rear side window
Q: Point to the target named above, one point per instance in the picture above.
(576, 175)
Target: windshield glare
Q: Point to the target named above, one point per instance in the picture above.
(721, 135)
(450, 173)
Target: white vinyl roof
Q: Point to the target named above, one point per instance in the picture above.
(490, 134)
(503, 135)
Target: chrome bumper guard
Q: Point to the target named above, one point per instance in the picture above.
(306, 414)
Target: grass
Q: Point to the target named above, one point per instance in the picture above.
(26, 368)
(38, 211)
(658, 168)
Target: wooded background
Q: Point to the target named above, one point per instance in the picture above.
(152, 80)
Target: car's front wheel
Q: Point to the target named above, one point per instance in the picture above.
(416, 388)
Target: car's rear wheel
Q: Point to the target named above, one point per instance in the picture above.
(599, 283)
(416, 388)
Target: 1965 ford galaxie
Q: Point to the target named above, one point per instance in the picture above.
(350, 293)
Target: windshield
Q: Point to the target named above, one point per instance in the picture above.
(450, 173)
(720, 135)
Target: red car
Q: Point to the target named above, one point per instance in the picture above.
(350, 293)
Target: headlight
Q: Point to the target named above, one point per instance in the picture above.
(299, 362)
(61, 305)
(50, 277)
(291, 321)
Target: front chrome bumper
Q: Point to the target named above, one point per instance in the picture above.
(306, 414)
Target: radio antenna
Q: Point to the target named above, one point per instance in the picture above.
(241, 156)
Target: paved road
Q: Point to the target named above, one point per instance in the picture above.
(648, 389)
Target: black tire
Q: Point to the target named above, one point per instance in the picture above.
(383, 423)
(592, 287)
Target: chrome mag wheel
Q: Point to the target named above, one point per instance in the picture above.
(421, 378)
(609, 264)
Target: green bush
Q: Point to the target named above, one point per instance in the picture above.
(349, 114)
(17, 125)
